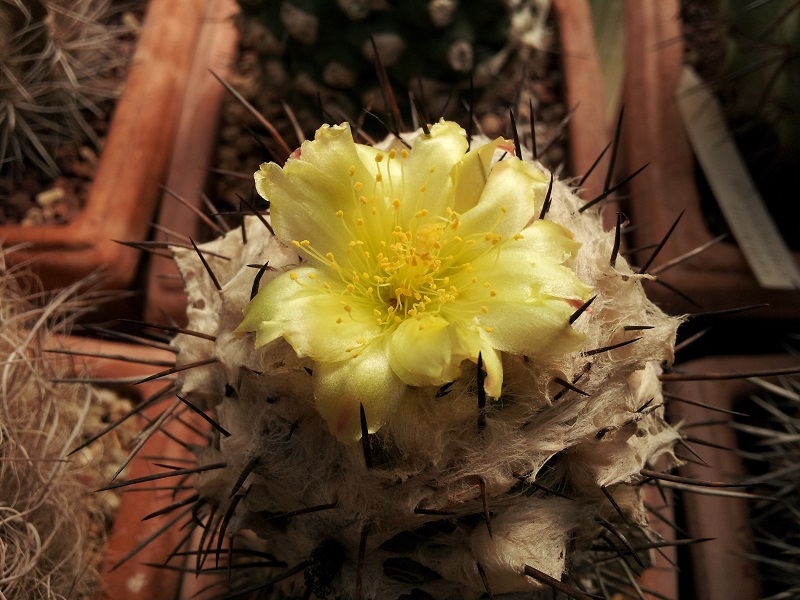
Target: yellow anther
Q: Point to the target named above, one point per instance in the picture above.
(376, 312)
(365, 275)
(312, 275)
(518, 236)
(493, 293)
(351, 171)
(474, 280)
(457, 239)
(339, 214)
(432, 170)
(326, 285)
(487, 285)
(484, 309)
(359, 221)
(295, 243)
(347, 308)
(357, 186)
(351, 288)
(378, 158)
(392, 153)
(293, 276)
(487, 237)
(488, 329)
(404, 153)
(329, 256)
(422, 188)
(379, 177)
(496, 240)
(362, 199)
(305, 243)
(503, 209)
(397, 319)
(361, 341)
(396, 203)
(338, 320)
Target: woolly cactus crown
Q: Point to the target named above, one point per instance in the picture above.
(428, 296)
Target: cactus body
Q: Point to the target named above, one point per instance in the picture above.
(449, 497)
(54, 56)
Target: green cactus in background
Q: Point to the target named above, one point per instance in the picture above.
(330, 44)
(771, 445)
(762, 65)
(55, 56)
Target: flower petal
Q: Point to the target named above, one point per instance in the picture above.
(306, 194)
(513, 193)
(340, 389)
(471, 174)
(314, 320)
(475, 339)
(430, 163)
(523, 269)
(538, 328)
(493, 364)
(427, 351)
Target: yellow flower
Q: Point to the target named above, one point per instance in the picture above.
(416, 260)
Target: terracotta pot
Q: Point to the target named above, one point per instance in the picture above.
(588, 132)
(719, 277)
(721, 568)
(133, 164)
(134, 579)
(191, 156)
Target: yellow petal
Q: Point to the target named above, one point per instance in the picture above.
(309, 190)
(430, 163)
(510, 199)
(426, 351)
(340, 389)
(471, 174)
(317, 322)
(539, 329)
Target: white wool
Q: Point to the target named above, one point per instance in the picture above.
(431, 455)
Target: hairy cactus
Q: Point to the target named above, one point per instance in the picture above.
(53, 527)
(54, 58)
(453, 386)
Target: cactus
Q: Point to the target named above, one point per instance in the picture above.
(480, 419)
(329, 45)
(55, 56)
(53, 526)
(772, 450)
(760, 77)
(748, 53)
